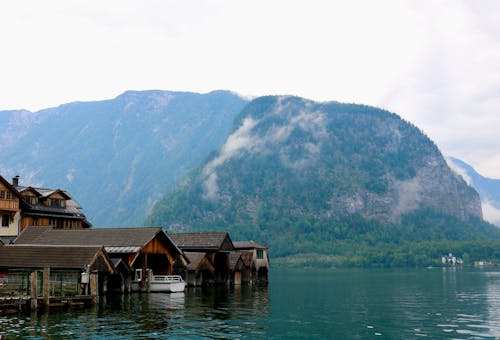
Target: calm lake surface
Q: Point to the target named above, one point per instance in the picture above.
(313, 304)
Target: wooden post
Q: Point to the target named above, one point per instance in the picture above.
(46, 286)
(34, 290)
(94, 287)
(149, 278)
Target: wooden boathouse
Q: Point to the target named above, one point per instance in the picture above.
(255, 256)
(200, 270)
(134, 248)
(215, 245)
(36, 275)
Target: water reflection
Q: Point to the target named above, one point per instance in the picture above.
(313, 304)
(216, 312)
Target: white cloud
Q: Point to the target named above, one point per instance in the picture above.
(244, 139)
(459, 170)
(491, 213)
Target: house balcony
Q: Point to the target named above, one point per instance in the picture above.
(9, 205)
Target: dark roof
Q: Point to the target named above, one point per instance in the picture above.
(107, 237)
(70, 210)
(56, 257)
(234, 257)
(247, 257)
(194, 259)
(248, 245)
(201, 240)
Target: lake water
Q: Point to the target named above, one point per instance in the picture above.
(313, 304)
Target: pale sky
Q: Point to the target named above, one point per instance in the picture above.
(435, 63)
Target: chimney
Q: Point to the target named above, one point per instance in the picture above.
(15, 181)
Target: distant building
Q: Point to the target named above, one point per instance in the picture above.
(451, 260)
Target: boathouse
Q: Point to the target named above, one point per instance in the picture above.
(200, 270)
(216, 245)
(258, 257)
(139, 248)
(240, 267)
(52, 273)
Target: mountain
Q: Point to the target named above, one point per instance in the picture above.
(300, 176)
(488, 189)
(117, 157)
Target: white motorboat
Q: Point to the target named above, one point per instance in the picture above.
(157, 283)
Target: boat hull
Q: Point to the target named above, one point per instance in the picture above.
(160, 283)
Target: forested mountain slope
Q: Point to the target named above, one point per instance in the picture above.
(301, 176)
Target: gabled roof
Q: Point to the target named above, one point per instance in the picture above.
(42, 192)
(210, 241)
(247, 257)
(248, 245)
(22, 189)
(10, 187)
(234, 257)
(197, 259)
(55, 257)
(113, 238)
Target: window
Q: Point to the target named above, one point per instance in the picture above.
(2, 194)
(5, 220)
(8, 195)
(30, 199)
(260, 254)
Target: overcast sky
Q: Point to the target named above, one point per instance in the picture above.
(435, 63)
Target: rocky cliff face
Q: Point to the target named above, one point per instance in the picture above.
(433, 187)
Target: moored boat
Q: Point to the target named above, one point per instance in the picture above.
(157, 283)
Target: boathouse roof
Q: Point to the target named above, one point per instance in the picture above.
(115, 240)
(248, 245)
(203, 241)
(55, 257)
(197, 260)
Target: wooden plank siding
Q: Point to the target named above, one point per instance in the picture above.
(9, 205)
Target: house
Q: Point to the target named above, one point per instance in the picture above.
(23, 206)
(259, 261)
(10, 211)
(138, 248)
(451, 260)
(49, 207)
(216, 245)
